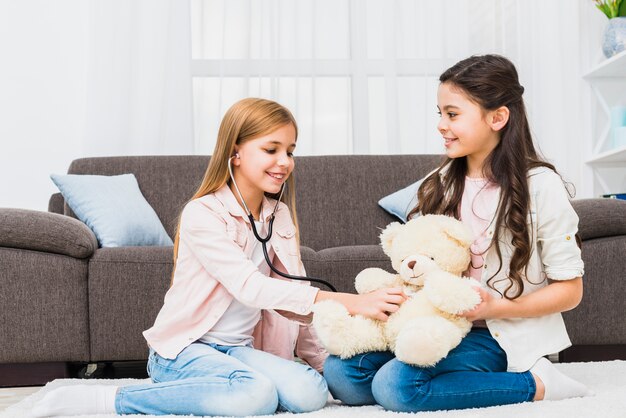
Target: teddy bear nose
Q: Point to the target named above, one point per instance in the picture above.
(411, 264)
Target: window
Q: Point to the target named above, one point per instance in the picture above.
(341, 69)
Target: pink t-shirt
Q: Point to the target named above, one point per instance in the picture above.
(478, 208)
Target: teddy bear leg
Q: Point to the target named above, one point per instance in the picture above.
(424, 341)
(345, 335)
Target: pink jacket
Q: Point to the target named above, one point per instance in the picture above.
(214, 266)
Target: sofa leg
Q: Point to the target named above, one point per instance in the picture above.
(90, 370)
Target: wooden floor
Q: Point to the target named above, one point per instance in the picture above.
(10, 396)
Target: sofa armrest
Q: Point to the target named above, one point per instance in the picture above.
(49, 232)
(600, 218)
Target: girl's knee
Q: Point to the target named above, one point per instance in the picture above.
(388, 396)
(257, 395)
(385, 389)
(394, 392)
(346, 382)
(305, 399)
(308, 393)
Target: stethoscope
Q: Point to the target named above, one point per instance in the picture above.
(265, 240)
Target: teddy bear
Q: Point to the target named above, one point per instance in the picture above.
(429, 254)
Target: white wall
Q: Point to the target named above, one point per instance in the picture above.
(42, 95)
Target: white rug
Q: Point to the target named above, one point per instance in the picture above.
(607, 379)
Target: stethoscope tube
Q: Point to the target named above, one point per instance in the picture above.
(265, 240)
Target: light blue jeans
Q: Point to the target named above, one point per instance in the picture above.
(472, 375)
(210, 379)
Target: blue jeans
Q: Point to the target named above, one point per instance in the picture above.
(472, 375)
(210, 379)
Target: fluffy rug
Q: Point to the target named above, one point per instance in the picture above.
(606, 379)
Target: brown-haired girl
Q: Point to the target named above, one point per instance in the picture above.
(524, 254)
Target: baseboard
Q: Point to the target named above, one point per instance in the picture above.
(579, 353)
(38, 374)
(32, 374)
(118, 370)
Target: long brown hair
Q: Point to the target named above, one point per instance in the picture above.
(491, 81)
(245, 120)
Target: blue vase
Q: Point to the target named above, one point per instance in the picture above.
(614, 40)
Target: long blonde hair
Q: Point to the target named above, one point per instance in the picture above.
(245, 120)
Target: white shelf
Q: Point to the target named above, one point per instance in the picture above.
(608, 81)
(612, 67)
(617, 155)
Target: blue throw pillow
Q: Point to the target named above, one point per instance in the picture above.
(401, 202)
(114, 208)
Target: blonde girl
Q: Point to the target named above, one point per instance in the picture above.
(524, 254)
(224, 340)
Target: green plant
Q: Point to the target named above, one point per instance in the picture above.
(611, 8)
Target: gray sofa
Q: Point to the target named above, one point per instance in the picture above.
(65, 300)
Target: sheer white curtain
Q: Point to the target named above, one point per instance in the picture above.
(138, 92)
(361, 75)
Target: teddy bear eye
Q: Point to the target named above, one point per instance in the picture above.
(432, 258)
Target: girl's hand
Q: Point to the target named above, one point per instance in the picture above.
(484, 310)
(558, 296)
(378, 304)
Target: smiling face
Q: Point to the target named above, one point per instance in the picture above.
(467, 129)
(265, 163)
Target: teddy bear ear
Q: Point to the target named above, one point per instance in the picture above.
(388, 235)
(458, 231)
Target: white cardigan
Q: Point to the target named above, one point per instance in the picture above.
(555, 256)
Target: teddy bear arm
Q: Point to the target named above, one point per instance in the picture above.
(450, 293)
(374, 278)
(346, 335)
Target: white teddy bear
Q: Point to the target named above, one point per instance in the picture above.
(430, 253)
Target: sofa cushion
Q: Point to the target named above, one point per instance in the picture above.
(114, 208)
(340, 265)
(337, 195)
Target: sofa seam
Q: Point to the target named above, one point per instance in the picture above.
(30, 250)
(129, 262)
